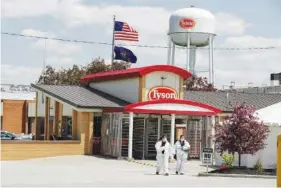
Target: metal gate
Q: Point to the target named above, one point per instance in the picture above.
(125, 137)
(151, 137)
(138, 138)
(194, 137)
(145, 135)
(166, 128)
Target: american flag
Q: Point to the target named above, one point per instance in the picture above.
(122, 31)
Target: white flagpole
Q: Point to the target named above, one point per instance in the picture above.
(113, 41)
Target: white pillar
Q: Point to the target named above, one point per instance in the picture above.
(159, 127)
(169, 50)
(188, 51)
(213, 121)
(213, 132)
(130, 149)
(172, 138)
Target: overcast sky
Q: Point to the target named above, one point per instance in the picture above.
(240, 23)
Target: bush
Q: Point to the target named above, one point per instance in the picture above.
(258, 166)
(228, 160)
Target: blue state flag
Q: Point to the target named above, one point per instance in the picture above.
(124, 54)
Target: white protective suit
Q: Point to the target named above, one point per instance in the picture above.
(182, 154)
(162, 159)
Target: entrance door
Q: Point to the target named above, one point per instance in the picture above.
(180, 131)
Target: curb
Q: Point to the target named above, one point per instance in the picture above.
(236, 175)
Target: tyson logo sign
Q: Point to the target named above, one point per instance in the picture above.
(158, 93)
(187, 23)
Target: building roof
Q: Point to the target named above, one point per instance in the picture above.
(81, 97)
(6, 95)
(221, 101)
(265, 89)
(133, 72)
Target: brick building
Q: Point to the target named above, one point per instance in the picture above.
(17, 111)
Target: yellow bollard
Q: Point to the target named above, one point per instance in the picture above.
(279, 161)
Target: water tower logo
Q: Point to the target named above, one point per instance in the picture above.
(187, 23)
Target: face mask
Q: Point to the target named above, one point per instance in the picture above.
(182, 139)
(164, 140)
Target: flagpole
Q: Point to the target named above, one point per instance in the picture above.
(113, 41)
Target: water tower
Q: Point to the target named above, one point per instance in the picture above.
(191, 28)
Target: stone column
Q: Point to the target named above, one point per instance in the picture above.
(85, 128)
(172, 138)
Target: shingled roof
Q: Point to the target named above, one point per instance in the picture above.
(81, 97)
(225, 101)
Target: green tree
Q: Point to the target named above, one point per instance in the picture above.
(195, 83)
(71, 76)
(50, 76)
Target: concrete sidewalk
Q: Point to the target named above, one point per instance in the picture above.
(88, 171)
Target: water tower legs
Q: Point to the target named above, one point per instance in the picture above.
(173, 53)
(211, 59)
(187, 52)
(169, 50)
(212, 52)
(192, 60)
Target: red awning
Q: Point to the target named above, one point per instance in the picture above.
(182, 107)
(133, 72)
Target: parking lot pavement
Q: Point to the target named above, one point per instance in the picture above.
(87, 171)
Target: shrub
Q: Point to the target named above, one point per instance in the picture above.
(228, 160)
(258, 166)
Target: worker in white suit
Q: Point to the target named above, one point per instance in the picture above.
(163, 153)
(181, 149)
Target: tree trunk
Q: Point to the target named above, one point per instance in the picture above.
(239, 159)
